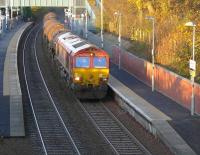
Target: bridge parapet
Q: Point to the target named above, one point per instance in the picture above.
(43, 3)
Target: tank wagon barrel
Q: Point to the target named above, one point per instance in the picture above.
(49, 16)
(84, 66)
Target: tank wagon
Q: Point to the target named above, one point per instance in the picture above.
(84, 66)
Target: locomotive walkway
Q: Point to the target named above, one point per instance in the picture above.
(11, 109)
(179, 130)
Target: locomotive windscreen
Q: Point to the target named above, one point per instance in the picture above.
(99, 62)
(82, 62)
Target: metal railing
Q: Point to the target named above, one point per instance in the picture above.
(44, 3)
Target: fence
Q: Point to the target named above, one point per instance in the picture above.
(168, 83)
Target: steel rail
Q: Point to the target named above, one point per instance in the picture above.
(44, 146)
(125, 129)
(29, 96)
(97, 127)
(52, 101)
(110, 127)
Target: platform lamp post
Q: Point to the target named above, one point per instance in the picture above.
(11, 14)
(119, 37)
(65, 18)
(7, 15)
(192, 66)
(102, 23)
(17, 17)
(69, 16)
(21, 10)
(73, 25)
(153, 48)
(86, 22)
(17, 9)
(1, 23)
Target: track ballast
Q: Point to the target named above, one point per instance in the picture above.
(54, 135)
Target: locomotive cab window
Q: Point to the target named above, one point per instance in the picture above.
(99, 62)
(82, 62)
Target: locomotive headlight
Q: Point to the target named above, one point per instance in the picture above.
(104, 79)
(77, 78)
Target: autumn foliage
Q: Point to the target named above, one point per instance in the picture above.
(173, 43)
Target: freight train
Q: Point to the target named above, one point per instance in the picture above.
(84, 66)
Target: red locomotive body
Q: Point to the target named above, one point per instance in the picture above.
(84, 66)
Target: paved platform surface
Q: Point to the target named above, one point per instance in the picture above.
(140, 105)
(181, 122)
(11, 108)
(158, 119)
(5, 100)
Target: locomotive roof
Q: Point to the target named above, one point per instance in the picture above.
(73, 43)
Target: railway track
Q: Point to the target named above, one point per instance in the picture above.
(54, 134)
(120, 140)
(117, 136)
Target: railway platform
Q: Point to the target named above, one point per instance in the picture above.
(11, 108)
(171, 122)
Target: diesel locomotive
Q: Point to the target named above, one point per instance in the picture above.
(84, 66)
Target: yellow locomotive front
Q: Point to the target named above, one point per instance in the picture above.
(90, 73)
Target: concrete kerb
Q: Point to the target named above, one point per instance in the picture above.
(136, 111)
(11, 84)
(173, 140)
(157, 125)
